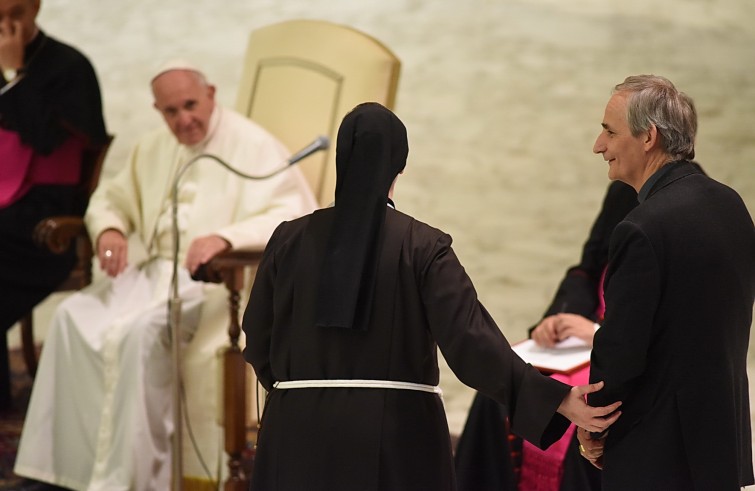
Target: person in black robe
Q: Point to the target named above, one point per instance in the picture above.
(50, 113)
(483, 455)
(348, 309)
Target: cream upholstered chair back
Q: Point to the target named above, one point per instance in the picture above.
(300, 79)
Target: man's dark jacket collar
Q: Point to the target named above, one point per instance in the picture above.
(665, 176)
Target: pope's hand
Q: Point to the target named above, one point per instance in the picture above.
(202, 249)
(112, 252)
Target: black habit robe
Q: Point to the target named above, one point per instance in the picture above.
(378, 439)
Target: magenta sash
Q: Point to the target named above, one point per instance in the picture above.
(22, 168)
(16, 159)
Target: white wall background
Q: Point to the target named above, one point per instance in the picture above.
(502, 100)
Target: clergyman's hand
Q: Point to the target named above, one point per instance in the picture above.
(545, 333)
(593, 419)
(591, 448)
(11, 44)
(575, 325)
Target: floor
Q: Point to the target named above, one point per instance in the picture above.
(502, 101)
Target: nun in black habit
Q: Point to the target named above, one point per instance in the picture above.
(348, 309)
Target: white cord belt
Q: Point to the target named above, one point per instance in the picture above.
(357, 383)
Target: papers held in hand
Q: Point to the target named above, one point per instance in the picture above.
(565, 357)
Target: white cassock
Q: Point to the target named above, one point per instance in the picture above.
(100, 414)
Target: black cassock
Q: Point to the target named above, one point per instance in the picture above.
(58, 98)
(483, 456)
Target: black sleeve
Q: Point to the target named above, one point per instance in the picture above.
(58, 97)
(259, 316)
(479, 354)
(620, 349)
(578, 291)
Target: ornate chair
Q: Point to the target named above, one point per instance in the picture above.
(59, 234)
(300, 79)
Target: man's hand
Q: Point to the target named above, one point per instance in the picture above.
(202, 249)
(575, 325)
(112, 251)
(11, 44)
(591, 449)
(593, 419)
(546, 334)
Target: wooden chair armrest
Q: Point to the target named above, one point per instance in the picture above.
(57, 234)
(228, 268)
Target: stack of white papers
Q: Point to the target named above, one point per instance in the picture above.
(566, 357)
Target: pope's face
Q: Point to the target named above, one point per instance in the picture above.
(624, 153)
(186, 104)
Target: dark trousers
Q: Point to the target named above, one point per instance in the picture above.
(484, 454)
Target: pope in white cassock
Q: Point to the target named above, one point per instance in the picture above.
(100, 414)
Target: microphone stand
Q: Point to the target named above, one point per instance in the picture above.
(174, 301)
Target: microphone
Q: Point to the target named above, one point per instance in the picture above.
(320, 143)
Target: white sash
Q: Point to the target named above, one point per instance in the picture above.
(357, 383)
